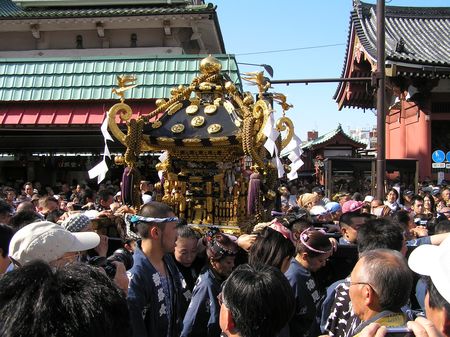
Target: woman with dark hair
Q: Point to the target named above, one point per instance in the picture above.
(74, 300)
(188, 262)
(313, 249)
(428, 204)
(392, 200)
(257, 301)
(273, 247)
(202, 316)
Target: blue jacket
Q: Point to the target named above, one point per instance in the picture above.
(154, 309)
(202, 316)
(308, 300)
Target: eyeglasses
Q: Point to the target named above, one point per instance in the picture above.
(350, 283)
(69, 258)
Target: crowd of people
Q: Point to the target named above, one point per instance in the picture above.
(351, 266)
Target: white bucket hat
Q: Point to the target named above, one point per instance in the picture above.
(434, 261)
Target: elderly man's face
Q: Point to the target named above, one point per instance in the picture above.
(356, 292)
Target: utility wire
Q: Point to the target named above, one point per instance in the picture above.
(291, 49)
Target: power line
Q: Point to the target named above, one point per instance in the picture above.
(292, 49)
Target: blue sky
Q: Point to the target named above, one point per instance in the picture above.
(252, 26)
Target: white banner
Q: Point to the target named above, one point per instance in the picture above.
(101, 168)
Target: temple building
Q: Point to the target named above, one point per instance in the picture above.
(417, 78)
(60, 61)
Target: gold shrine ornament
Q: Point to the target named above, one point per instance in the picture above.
(198, 121)
(214, 128)
(229, 107)
(177, 128)
(174, 108)
(210, 109)
(156, 125)
(192, 109)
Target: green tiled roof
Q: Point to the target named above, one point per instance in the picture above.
(329, 135)
(93, 78)
(9, 10)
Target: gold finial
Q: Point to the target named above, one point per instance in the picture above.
(257, 78)
(124, 83)
(210, 65)
(281, 99)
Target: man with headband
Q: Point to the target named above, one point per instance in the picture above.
(155, 288)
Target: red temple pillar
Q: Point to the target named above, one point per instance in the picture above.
(424, 143)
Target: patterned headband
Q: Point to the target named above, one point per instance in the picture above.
(276, 226)
(216, 246)
(304, 237)
(137, 218)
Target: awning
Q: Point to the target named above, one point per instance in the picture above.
(63, 114)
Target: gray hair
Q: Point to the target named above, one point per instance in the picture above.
(389, 276)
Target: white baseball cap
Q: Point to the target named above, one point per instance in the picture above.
(318, 210)
(47, 241)
(368, 198)
(146, 198)
(434, 261)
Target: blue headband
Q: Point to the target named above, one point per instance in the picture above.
(137, 218)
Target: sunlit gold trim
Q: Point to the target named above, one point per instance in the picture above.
(205, 87)
(174, 108)
(165, 140)
(218, 139)
(191, 141)
(229, 107)
(156, 125)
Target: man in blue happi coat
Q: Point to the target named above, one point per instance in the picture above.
(154, 294)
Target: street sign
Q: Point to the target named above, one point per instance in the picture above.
(438, 165)
(447, 165)
(447, 156)
(438, 156)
